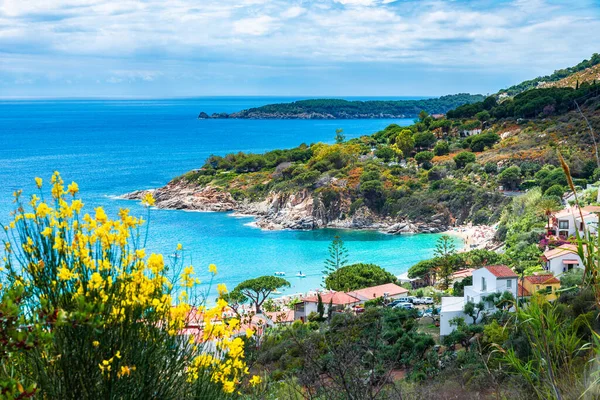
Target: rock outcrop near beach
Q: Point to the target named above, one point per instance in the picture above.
(181, 196)
(303, 210)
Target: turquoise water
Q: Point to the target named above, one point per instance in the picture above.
(112, 147)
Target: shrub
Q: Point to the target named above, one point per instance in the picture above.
(441, 148)
(109, 318)
(463, 158)
(555, 190)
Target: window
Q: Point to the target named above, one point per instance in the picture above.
(549, 289)
(509, 283)
(563, 224)
(483, 284)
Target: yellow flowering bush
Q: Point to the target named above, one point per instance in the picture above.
(118, 322)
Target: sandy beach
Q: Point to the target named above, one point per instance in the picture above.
(475, 236)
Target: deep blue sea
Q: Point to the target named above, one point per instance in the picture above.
(111, 147)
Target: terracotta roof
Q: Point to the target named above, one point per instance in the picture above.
(522, 292)
(547, 279)
(592, 209)
(339, 298)
(560, 251)
(573, 211)
(377, 291)
(501, 271)
(463, 273)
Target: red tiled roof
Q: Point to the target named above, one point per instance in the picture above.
(501, 271)
(522, 292)
(560, 251)
(463, 273)
(542, 279)
(377, 291)
(339, 298)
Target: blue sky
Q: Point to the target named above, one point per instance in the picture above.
(158, 48)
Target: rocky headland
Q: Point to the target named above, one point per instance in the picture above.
(302, 210)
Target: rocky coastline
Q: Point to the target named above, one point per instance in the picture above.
(297, 211)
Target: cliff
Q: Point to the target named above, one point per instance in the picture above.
(304, 210)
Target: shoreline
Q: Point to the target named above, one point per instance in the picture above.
(474, 237)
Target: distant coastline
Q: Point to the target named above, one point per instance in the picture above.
(345, 109)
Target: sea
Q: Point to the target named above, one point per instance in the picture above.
(112, 147)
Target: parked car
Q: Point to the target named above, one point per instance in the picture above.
(406, 306)
(409, 299)
(393, 303)
(426, 300)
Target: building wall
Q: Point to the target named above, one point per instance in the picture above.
(531, 288)
(556, 265)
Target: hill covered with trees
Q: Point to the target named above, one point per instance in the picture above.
(344, 109)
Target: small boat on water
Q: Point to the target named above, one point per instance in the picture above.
(279, 273)
(174, 255)
(300, 275)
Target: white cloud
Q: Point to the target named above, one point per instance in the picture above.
(133, 35)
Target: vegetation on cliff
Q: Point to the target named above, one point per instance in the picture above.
(345, 109)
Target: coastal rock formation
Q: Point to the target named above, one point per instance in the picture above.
(302, 210)
(181, 196)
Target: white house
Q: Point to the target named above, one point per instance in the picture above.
(561, 259)
(486, 280)
(565, 223)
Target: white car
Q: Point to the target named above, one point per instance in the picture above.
(426, 300)
(407, 306)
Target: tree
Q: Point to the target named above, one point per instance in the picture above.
(490, 168)
(444, 249)
(458, 289)
(463, 158)
(405, 142)
(481, 141)
(339, 136)
(441, 148)
(320, 307)
(259, 289)
(555, 190)
(510, 177)
(385, 153)
(424, 140)
(474, 310)
(235, 299)
(424, 157)
(358, 276)
(338, 256)
(547, 207)
(424, 270)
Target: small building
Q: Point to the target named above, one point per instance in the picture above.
(458, 276)
(342, 301)
(389, 291)
(338, 300)
(486, 281)
(561, 259)
(566, 223)
(547, 284)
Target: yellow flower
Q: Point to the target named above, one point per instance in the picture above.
(101, 215)
(125, 370)
(38, 182)
(96, 281)
(228, 386)
(179, 247)
(73, 188)
(64, 274)
(96, 343)
(42, 210)
(249, 333)
(221, 289)
(255, 380)
(148, 200)
(212, 268)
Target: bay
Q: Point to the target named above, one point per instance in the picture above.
(111, 147)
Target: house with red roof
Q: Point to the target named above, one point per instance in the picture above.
(343, 301)
(486, 280)
(544, 283)
(566, 223)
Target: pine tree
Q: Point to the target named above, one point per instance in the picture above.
(338, 256)
(320, 307)
(339, 136)
(444, 249)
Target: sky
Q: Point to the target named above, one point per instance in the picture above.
(179, 48)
